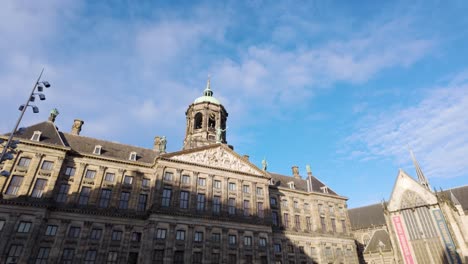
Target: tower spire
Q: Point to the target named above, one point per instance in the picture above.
(422, 179)
(208, 91)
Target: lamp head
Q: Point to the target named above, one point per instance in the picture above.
(40, 88)
(46, 84)
(35, 109)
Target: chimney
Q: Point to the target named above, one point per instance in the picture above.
(53, 114)
(309, 178)
(76, 128)
(295, 171)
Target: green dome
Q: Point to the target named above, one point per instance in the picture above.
(209, 99)
(207, 96)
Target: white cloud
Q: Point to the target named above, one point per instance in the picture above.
(436, 128)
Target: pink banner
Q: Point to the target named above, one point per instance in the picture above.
(402, 238)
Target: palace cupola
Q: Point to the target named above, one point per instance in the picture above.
(206, 121)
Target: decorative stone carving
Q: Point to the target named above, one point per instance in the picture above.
(218, 157)
(411, 199)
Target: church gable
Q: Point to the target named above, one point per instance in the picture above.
(216, 157)
(407, 193)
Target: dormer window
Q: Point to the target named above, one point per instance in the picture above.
(132, 156)
(36, 136)
(97, 150)
(324, 189)
(291, 185)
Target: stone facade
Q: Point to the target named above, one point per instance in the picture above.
(74, 199)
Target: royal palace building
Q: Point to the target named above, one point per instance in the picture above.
(75, 199)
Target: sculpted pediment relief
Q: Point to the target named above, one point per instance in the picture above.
(411, 199)
(219, 158)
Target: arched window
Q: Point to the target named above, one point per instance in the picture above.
(198, 120)
(212, 121)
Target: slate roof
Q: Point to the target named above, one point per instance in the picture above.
(366, 216)
(299, 184)
(379, 237)
(49, 133)
(85, 145)
(461, 193)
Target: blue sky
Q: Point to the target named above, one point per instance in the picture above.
(343, 86)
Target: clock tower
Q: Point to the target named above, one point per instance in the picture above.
(206, 121)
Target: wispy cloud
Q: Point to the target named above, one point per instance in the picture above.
(436, 128)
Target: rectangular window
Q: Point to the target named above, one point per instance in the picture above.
(308, 223)
(286, 220)
(201, 181)
(217, 184)
(116, 235)
(39, 188)
(184, 199)
(290, 248)
(24, 227)
(185, 179)
(161, 233)
(215, 258)
(112, 257)
(105, 198)
(70, 171)
(306, 207)
(90, 174)
(331, 209)
(259, 191)
(273, 201)
(232, 259)
(323, 224)
(166, 198)
(200, 202)
(90, 257)
(333, 224)
(2, 224)
(284, 203)
(145, 182)
(198, 237)
(232, 240)
(84, 196)
(262, 242)
(67, 256)
(216, 237)
(74, 232)
(260, 210)
(248, 241)
(232, 186)
(142, 199)
(343, 226)
(246, 188)
(96, 234)
(216, 204)
(136, 236)
(274, 218)
(14, 254)
(24, 162)
(277, 248)
(51, 230)
(179, 257)
(168, 176)
(320, 208)
(296, 205)
(180, 235)
(197, 258)
(123, 201)
(297, 221)
(110, 177)
(63, 193)
(246, 207)
(128, 180)
(15, 184)
(248, 259)
(158, 256)
(232, 206)
(47, 165)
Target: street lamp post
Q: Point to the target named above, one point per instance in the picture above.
(10, 145)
